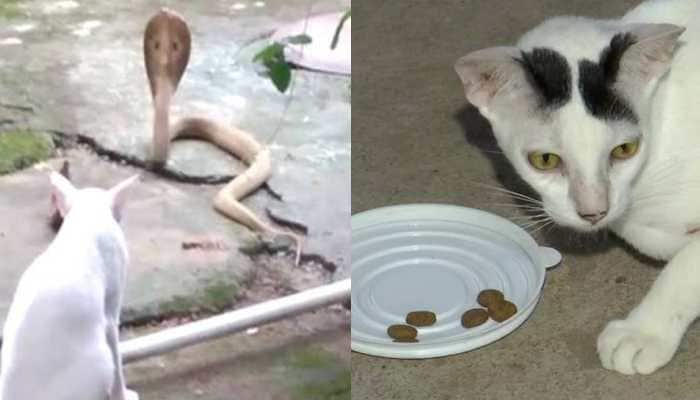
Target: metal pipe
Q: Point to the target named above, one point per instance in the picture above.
(233, 321)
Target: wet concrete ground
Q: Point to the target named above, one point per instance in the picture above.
(80, 67)
(77, 68)
(414, 140)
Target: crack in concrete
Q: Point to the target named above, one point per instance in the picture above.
(67, 140)
(17, 107)
(270, 249)
(329, 266)
(294, 225)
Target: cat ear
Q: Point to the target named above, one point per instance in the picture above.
(492, 72)
(118, 195)
(649, 55)
(62, 193)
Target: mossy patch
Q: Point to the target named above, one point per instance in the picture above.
(219, 295)
(21, 149)
(337, 388)
(10, 9)
(311, 357)
(316, 374)
(214, 296)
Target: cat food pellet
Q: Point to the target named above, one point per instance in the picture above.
(420, 318)
(500, 312)
(489, 296)
(474, 317)
(402, 332)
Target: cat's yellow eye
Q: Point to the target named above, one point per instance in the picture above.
(625, 150)
(543, 161)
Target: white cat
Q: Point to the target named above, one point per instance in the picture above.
(60, 340)
(601, 118)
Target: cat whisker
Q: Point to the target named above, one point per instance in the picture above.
(528, 220)
(530, 216)
(510, 192)
(542, 213)
(550, 222)
(549, 229)
(533, 228)
(514, 205)
(492, 151)
(525, 212)
(517, 200)
(535, 223)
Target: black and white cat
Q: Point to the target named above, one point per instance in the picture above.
(61, 336)
(601, 118)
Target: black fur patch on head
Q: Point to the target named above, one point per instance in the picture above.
(597, 79)
(549, 74)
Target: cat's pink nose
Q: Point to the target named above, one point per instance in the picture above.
(593, 218)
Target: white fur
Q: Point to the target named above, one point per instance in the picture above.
(654, 197)
(658, 224)
(60, 340)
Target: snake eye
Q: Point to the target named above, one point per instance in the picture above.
(625, 150)
(544, 161)
(174, 46)
(156, 45)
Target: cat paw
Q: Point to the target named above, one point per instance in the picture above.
(131, 395)
(627, 348)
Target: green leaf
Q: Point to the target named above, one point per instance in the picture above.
(299, 39)
(281, 75)
(336, 35)
(271, 53)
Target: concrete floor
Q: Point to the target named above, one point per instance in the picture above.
(76, 67)
(414, 140)
(72, 61)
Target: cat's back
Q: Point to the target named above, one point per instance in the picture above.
(662, 11)
(70, 276)
(68, 282)
(674, 115)
(55, 329)
(59, 291)
(670, 175)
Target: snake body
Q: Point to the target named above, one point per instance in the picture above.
(166, 43)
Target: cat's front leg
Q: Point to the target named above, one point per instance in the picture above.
(119, 391)
(131, 395)
(648, 338)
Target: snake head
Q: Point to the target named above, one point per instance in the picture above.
(166, 48)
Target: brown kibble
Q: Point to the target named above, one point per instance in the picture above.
(421, 318)
(502, 311)
(402, 332)
(474, 317)
(489, 297)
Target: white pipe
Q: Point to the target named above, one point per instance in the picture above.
(233, 321)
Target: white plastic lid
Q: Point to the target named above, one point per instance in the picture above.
(438, 258)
